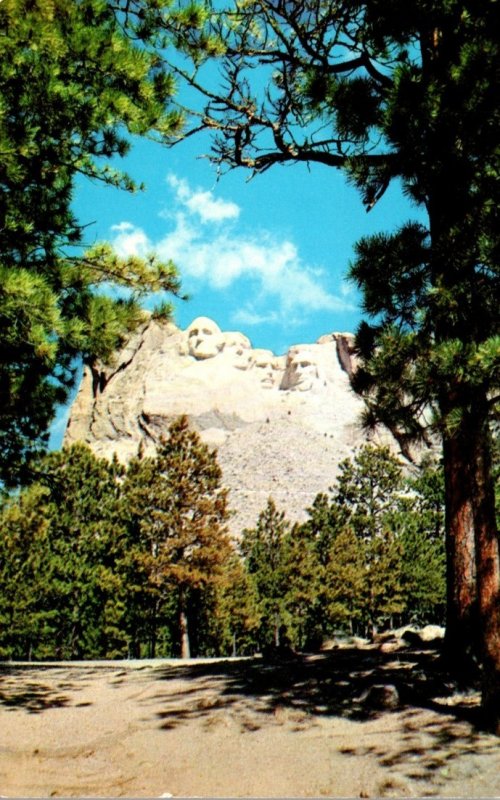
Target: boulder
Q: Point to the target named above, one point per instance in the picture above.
(429, 633)
(380, 697)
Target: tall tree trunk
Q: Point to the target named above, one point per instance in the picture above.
(183, 624)
(473, 555)
(488, 570)
(461, 610)
(277, 625)
(152, 638)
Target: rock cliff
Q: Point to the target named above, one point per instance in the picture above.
(281, 424)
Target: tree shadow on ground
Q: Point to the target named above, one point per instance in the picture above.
(301, 690)
(327, 684)
(35, 696)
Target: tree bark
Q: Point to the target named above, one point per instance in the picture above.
(183, 625)
(461, 606)
(153, 634)
(473, 557)
(488, 571)
(276, 630)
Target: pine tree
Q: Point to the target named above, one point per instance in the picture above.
(384, 579)
(305, 576)
(388, 92)
(326, 521)
(85, 540)
(419, 520)
(367, 487)
(264, 549)
(99, 562)
(26, 620)
(345, 584)
(228, 620)
(379, 541)
(61, 539)
(75, 86)
(179, 511)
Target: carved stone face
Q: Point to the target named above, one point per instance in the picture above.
(238, 348)
(242, 358)
(266, 367)
(301, 372)
(204, 337)
(236, 339)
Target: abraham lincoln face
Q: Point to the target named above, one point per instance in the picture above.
(301, 371)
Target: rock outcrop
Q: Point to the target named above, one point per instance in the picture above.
(281, 424)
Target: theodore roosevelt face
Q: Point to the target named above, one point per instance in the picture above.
(266, 367)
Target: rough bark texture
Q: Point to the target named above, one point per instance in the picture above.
(183, 626)
(461, 612)
(473, 558)
(488, 572)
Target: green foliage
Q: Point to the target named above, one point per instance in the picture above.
(265, 550)
(25, 618)
(178, 511)
(344, 588)
(363, 573)
(86, 535)
(99, 561)
(60, 542)
(371, 553)
(228, 617)
(74, 86)
(418, 520)
(367, 487)
(423, 573)
(177, 500)
(394, 92)
(326, 521)
(93, 557)
(304, 586)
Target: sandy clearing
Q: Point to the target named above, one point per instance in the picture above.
(241, 728)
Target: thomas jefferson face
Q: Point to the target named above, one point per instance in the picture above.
(236, 339)
(239, 349)
(242, 358)
(205, 339)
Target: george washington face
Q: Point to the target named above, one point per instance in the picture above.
(205, 339)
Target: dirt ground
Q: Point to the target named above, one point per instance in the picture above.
(305, 727)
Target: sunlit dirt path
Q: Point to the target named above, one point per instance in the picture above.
(242, 728)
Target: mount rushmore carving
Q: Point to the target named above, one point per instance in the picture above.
(281, 424)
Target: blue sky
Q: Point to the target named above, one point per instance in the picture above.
(266, 256)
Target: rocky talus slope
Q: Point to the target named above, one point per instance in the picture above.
(281, 424)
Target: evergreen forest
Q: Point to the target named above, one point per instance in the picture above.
(98, 560)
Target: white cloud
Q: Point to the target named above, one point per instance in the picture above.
(248, 316)
(221, 255)
(130, 241)
(347, 289)
(202, 203)
(122, 227)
